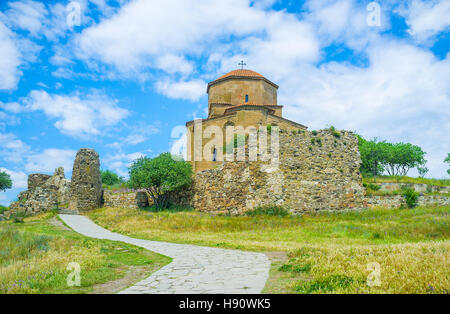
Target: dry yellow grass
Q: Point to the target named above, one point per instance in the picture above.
(404, 268)
(28, 275)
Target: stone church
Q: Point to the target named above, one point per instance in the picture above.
(239, 98)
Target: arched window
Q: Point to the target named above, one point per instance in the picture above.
(246, 98)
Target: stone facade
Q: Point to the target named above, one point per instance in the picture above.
(44, 193)
(125, 199)
(86, 191)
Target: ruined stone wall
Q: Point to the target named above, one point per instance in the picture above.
(125, 199)
(44, 193)
(315, 172)
(86, 190)
(421, 188)
(397, 201)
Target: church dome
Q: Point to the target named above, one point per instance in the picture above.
(241, 73)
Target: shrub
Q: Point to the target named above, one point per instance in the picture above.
(314, 132)
(269, 211)
(411, 197)
(334, 132)
(372, 186)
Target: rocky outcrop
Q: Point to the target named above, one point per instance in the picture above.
(86, 188)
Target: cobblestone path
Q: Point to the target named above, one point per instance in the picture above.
(194, 269)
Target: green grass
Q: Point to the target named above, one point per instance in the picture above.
(268, 211)
(34, 257)
(405, 179)
(328, 252)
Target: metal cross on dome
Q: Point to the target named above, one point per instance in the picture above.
(242, 64)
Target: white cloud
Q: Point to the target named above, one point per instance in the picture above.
(119, 163)
(19, 178)
(76, 115)
(179, 146)
(174, 64)
(27, 15)
(401, 96)
(10, 59)
(50, 159)
(142, 30)
(427, 18)
(12, 149)
(190, 90)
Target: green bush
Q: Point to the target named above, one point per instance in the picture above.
(372, 186)
(411, 197)
(269, 211)
(314, 132)
(334, 132)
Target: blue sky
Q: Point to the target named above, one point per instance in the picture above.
(132, 71)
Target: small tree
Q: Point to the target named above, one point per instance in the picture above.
(373, 154)
(423, 170)
(447, 161)
(160, 176)
(5, 181)
(110, 178)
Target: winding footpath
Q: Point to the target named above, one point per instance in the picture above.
(194, 269)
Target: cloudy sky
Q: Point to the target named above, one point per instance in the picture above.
(120, 75)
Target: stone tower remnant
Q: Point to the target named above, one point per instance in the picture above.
(86, 185)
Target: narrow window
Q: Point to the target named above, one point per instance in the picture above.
(246, 98)
(214, 155)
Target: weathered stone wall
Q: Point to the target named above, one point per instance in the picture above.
(37, 179)
(86, 190)
(44, 193)
(421, 188)
(125, 199)
(315, 172)
(397, 201)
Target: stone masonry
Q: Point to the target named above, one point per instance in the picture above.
(44, 193)
(86, 191)
(316, 171)
(125, 199)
